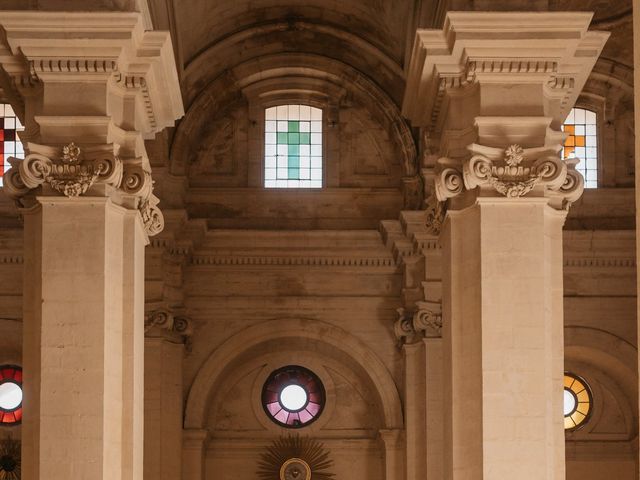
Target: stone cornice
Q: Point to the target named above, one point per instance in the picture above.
(317, 261)
(135, 65)
(553, 49)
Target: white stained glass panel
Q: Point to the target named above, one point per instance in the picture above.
(581, 128)
(10, 144)
(293, 137)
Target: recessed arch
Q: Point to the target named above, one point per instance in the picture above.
(309, 75)
(214, 367)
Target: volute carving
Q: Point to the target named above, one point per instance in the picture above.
(167, 321)
(72, 171)
(428, 319)
(513, 173)
(403, 327)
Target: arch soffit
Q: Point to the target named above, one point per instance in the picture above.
(223, 55)
(291, 70)
(206, 378)
(607, 352)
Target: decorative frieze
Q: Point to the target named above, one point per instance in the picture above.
(282, 260)
(514, 172)
(72, 171)
(435, 210)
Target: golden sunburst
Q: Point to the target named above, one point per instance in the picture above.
(295, 458)
(9, 459)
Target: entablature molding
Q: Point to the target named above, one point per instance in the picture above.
(129, 74)
(554, 50)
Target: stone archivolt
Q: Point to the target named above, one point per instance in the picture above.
(514, 172)
(72, 172)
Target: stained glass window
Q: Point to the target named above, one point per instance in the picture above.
(581, 127)
(293, 396)
(293, 147)
(10, 395)
(10, 145)
(577, 401)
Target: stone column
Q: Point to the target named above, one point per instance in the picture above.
(165, 339)
(89, 88)
(636, 63)
(392, 442)
(492, 90)
(194, 445)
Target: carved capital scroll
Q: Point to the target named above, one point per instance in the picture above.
(513, 173)
(166, 321)
(72, 171)
(428, 319)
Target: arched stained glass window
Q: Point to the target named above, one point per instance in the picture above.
(10, 395)
(578, 401)
(10, 144)
(293, 396)
(581, 127)
(293, 147)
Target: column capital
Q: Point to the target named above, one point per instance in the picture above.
(513, 172)
(73, 171)
(164, 322)
(90, 87)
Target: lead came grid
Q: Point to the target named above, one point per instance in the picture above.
(582, 142)
(10, 144)
(293, 147)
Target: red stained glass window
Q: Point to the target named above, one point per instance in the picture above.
(10, 144)
(10, 395)
(293, 396)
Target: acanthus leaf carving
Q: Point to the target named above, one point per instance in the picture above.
(435, 213)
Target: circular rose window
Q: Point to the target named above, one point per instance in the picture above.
(577, 401)
(293, 396)
(10, 395)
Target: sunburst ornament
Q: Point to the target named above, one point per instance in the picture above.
(10, 465)
(295, 458)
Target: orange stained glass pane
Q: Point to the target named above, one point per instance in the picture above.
(568, 151)
(568, 423)
(578, 417)
(568, 381)
(570, 142)
(583, 408)
(570, 129)
(580, 141)
(583, 396)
